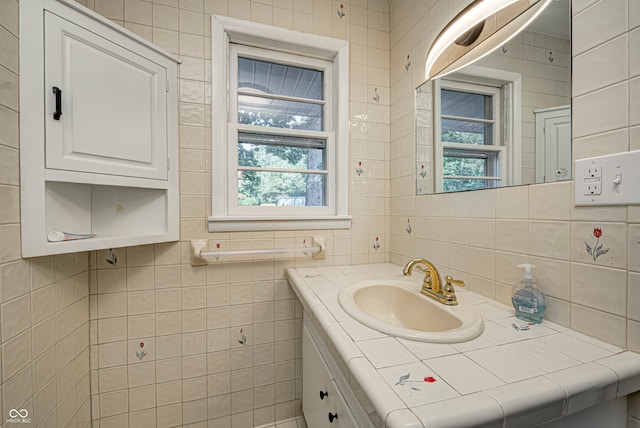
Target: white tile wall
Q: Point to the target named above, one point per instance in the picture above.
(44, 303)
(189, 319)
(192, 320)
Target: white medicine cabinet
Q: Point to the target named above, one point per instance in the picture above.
(98, 133)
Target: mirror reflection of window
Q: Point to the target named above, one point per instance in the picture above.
(470, 147)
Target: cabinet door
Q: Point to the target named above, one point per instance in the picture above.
(113, 104)
(322, 403)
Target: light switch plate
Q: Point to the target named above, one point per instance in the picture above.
(608, 180)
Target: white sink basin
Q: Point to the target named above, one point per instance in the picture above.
(397, 308)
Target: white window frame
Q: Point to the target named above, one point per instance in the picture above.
(237, 50)
(508, 134)
(232, 36)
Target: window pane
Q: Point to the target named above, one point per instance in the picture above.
(279, 79)
(253, 110)
(465, 104)
(460, 131)
(470, 164)
(465, 166)
(262, 188)
(275, 151)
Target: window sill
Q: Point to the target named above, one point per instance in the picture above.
(261, 224)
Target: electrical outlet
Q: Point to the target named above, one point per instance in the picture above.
(593, 172)
(593, 188)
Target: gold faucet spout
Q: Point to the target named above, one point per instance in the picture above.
(432, 283)
(432, 278)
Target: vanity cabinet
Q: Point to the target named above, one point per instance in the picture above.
(322, 402)
(327, 398)
(99, 132)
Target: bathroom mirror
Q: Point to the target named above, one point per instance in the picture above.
(505, 119)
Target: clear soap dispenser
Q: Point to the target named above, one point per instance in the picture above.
(527, 299)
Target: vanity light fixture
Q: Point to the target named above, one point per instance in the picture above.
(477, 30)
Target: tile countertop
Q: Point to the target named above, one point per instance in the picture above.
(504, 376)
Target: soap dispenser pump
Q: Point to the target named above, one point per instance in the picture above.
(527, 299)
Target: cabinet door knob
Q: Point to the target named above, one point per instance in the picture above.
(333, 417)
(58, 112)
(323, 394)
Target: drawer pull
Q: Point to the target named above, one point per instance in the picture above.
(332, 417)
(323, 394)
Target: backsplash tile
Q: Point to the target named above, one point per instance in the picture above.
(602, 325)
(601, 111)
(551, 201)
(604, 244)
(603, 65)
(550, 239)
(599, 287)
(602, 21)
(512, 202)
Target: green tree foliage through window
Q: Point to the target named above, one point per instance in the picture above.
(260, 188)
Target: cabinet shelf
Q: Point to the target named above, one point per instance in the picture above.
(103, 179)
(118, 216)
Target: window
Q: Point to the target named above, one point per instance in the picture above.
(469, 143)
(280, 129)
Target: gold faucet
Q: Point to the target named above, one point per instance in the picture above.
(431, 286)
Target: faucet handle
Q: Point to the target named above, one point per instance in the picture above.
(448, 289)
(449, 280)
(428, 280)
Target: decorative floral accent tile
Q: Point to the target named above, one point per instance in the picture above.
(407, 65)
(141, 350)
(242, 338)
(141, 353)
(423, 171)
(341, 12)
(376, 244)
(602, 244)
(359, 169)
(417, 384)
(376, 95)
(405, 379)
(550, 57)
(111, 258)
(408, 227)
(597, 250)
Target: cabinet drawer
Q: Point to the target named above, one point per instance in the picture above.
(112, 104)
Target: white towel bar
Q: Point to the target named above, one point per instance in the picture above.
(201, 256)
